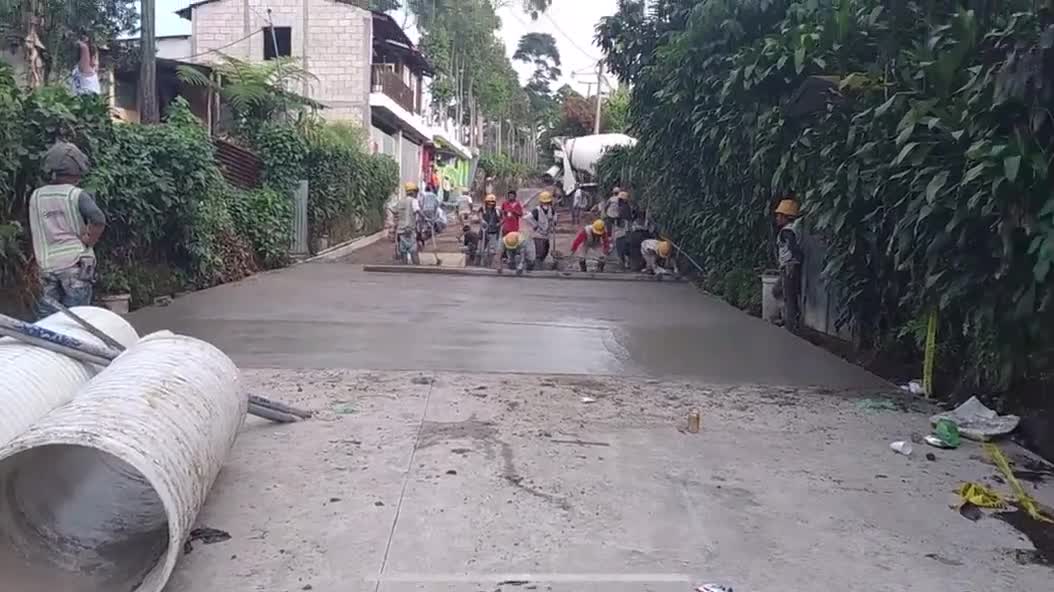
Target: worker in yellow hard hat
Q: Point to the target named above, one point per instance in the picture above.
(595, 245)
(542, 221)
(489, 229)
(790, 256)
(514, 252)
(406, 213)
(658, 257)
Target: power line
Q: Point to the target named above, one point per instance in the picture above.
(217, 49)
(569, 38)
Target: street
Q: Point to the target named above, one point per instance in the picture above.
(512, 433)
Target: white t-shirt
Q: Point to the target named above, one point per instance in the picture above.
(84, 84)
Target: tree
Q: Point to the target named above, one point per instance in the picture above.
(255, 91)
(540, 49)
(60, 23)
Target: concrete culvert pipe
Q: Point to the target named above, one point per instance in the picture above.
(36, 381)
(100, 495)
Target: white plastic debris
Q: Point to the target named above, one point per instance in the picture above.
(902, 447)
(588, 400)
(914, 387)
(978, 422)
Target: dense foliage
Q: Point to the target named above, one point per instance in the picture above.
(349, 186)
(918, 136)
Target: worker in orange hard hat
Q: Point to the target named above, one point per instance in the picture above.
(789, 255)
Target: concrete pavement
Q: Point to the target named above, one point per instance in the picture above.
(334, 316)
(482, 434)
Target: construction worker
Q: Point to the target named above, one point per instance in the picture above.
(595, 246)
(543, 221)
(489, 229)
(789, 255)
(514, 252)
(65, 223)
(406, 213)
(658, 257)
(511, 213)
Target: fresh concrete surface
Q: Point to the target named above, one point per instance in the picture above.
(335, 316)
(471, 480)
(538, 437)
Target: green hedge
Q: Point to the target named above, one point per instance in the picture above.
(928, 173)
(348, 187)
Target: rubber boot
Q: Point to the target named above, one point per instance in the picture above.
(582, 266)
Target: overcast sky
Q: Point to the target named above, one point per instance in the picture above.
(571, 22)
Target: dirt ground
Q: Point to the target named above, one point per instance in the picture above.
(450, 481)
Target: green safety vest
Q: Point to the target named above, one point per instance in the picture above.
(57, 226)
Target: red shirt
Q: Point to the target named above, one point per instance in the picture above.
(511, 212)
(587, 234)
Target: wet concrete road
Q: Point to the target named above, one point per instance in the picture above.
(329, 315)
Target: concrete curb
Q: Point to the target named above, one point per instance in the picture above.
(550, 275)
(345, 249)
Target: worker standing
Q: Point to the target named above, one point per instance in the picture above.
(514, 252)
(610, 208)
(511, 213)
(543, 221)
(789, 253)
(490, 229)
(65, 224)
(579, 204)
(658, 259)
(406, 213)
(593, 239)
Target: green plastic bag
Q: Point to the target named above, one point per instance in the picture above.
(948, 432)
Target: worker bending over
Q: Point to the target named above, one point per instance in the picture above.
(514, 253)
(593, 240)
(543, 221)
(789, 253)
(658, 257)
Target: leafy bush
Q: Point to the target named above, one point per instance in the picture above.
(265, 217)
(502, 167)
(348, 187)
(925, 169)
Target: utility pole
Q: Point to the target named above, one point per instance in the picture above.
(148, 108)
(600, 81)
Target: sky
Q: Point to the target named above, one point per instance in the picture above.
(571, 22)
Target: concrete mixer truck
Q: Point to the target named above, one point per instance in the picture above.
(577, 158)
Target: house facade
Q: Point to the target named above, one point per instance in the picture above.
(331, 39)
(364, 68)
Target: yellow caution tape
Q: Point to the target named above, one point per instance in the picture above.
(930, 355)
(1024, 500)
(980, 496)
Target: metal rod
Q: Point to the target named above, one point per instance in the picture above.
(90, 328)
(54, 347)
(55, 338)
(70, 346)
(275, 405)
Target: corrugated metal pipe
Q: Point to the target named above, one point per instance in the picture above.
(36, 381)
(100, 495)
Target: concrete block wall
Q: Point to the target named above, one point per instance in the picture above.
(333, 41)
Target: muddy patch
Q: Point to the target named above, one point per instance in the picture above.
(1040, 534)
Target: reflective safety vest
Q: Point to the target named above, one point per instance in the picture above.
(57, 226)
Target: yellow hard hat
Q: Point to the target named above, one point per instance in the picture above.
(623, 194)
(664, 249)
(545, 198)
(512, 240)
(789, 207)
(598, 227)
(410, 187)
(491, 198)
